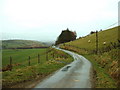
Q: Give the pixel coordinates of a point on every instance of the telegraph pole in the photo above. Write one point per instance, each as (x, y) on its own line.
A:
(96, 42)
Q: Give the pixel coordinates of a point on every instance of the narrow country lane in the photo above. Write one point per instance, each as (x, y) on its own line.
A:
(74, 75)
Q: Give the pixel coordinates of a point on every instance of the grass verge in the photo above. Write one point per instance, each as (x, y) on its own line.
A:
(105, 67)
(103, 79)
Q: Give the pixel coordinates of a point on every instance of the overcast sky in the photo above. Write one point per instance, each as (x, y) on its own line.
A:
(44, 20)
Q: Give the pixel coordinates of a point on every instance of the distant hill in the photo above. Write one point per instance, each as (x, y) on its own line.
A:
(48, 43)
(21, 44)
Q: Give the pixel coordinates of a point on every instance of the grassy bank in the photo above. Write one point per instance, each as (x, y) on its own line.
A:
(104, 78)
(105, 67)
(44, 68)
(109, 36)
(106, 62)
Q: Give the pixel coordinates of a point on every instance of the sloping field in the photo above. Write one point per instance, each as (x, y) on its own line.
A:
(108, 36)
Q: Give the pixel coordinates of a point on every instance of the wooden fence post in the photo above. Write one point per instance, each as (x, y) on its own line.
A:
(38, 58)
(10, 63)
(29, 60)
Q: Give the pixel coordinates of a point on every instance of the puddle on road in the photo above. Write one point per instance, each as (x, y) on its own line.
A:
(66, 68)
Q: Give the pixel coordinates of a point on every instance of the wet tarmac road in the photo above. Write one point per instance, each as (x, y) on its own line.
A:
(73, 75)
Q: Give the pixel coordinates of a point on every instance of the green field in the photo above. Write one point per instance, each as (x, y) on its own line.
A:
(23, 73)
(20, 56)
(105, 63)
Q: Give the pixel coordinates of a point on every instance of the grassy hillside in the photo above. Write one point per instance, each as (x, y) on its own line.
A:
(20, 43)
(108, 36)
(105, 64)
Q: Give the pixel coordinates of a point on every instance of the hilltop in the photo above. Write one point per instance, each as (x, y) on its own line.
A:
(21, 44)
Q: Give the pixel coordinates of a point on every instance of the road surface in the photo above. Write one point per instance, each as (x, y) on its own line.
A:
(74, 75)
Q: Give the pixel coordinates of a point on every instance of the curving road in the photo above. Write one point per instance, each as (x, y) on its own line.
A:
(74, 75)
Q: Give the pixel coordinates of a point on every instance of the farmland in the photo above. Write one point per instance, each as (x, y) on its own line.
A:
(22, 72)
(20, 56)
(105, 63)
(108, 36)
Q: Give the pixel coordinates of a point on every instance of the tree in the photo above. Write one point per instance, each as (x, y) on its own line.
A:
(66, 36)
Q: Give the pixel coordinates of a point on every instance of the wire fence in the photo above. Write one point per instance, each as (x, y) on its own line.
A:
(27, 62)
(105, 48)
(49, 54)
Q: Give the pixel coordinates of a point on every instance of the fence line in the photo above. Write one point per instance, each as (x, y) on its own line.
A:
(11, 64)
(113, 45)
